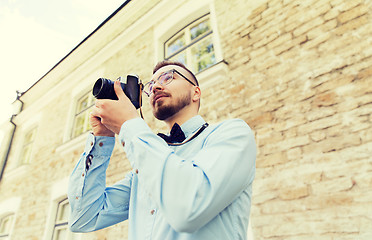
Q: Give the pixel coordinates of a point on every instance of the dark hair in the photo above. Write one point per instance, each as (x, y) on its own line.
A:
(169, 62)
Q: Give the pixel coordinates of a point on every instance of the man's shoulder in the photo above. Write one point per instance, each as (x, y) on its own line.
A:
(233, 126)
(234, 122)
(231, 130)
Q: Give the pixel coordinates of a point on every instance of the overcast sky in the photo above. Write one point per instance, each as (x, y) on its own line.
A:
(37, 34)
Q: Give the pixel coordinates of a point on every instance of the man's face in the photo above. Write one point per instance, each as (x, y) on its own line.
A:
(173, 97)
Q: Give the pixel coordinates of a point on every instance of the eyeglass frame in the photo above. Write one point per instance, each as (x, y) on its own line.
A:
(157, 80)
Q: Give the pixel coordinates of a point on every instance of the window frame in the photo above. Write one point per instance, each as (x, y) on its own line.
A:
(10, 217)
(58, 194)
(175, 16)
(84, 111)
(28, 145)
(62, 224)
(189, 43)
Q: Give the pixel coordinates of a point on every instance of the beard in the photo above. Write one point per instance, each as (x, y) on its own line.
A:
(164, 111)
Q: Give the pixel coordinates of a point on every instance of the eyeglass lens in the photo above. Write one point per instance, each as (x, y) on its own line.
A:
(163, 79)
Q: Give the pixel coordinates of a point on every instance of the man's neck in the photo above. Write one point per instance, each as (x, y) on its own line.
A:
(179, 118)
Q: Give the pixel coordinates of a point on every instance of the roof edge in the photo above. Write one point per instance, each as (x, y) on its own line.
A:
(85, 39)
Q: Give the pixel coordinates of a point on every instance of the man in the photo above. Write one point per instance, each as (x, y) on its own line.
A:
(199, 188)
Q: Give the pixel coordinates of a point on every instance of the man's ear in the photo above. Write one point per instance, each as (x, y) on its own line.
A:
(197, 94)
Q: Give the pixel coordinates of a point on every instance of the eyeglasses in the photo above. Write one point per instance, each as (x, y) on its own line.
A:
(164, 79)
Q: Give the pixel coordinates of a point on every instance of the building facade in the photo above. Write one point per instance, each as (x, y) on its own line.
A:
(297, 71)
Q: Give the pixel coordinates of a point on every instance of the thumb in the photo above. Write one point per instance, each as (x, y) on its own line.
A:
(118, 90)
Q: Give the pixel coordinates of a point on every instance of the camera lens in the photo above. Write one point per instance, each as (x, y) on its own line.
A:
(97, 88)
(104, 89)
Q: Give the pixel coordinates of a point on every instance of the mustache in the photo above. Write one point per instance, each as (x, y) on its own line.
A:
(158, 95)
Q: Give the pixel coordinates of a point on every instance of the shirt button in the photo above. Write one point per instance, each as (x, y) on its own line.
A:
(91, 143)
(77, 197)
(123, 143)
(83, 175)
(137, 171)
(152, 211)
(101, 144)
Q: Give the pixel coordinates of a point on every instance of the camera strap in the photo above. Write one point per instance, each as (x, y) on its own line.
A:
(140, 100)
(201, 129)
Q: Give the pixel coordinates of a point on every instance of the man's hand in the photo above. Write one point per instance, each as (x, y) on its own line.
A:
(113, 113)
(98, 128)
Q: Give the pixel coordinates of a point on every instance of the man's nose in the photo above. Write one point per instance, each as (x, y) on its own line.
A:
(156, 87)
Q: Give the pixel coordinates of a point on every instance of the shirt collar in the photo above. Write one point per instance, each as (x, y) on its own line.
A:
(192, 125)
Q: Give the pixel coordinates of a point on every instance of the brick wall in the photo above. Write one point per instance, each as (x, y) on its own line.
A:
(299, 73)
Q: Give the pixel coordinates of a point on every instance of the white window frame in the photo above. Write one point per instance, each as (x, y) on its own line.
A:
(58, 225)
(70, 143)
(9, 207)
(3, 219)
(190, 43)
(249, 231)
(30, 145)
(58, 195)
(176, 17)
(24, 129)
(14, 165)
(84, 111)
(78, 91)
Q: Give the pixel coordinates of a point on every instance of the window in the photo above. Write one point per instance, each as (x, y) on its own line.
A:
(81, 121)
(5, 225)
(27, 146)
(193, 45)
(56, 224)
(61, 231)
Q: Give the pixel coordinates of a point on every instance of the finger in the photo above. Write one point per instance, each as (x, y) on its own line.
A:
(94, 120)
(100, 103)
(95, 112)
(118, 90)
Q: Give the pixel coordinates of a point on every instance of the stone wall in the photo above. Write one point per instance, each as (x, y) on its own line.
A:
(300, 75)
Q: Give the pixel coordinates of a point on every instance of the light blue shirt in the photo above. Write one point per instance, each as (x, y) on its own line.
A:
(199, 190)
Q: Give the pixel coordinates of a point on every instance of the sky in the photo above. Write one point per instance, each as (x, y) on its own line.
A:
(36, 34)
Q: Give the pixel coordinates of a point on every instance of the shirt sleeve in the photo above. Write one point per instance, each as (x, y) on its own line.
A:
(191, 192)
(93, 205)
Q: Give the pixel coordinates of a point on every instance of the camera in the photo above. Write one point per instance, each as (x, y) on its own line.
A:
(104, 89)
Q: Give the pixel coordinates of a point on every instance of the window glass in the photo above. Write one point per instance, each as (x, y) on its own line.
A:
(176, 44)
(181, 57)
(193, 45)
(83, 108)
(61, 231)
(83, 103)
(203, 54)
(27, 146)
(200, 29)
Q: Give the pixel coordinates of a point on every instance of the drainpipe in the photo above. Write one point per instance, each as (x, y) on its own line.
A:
(19, 94)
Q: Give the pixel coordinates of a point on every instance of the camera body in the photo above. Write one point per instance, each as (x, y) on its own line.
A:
(104, 89)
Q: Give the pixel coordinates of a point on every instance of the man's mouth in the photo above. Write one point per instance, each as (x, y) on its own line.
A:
(158, 97)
